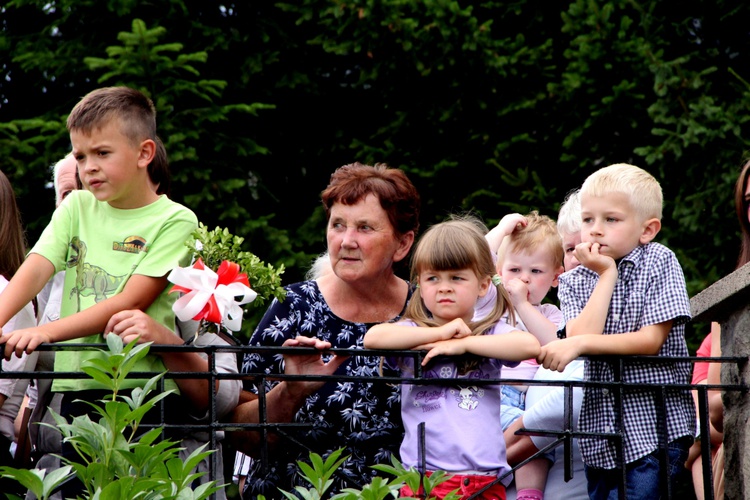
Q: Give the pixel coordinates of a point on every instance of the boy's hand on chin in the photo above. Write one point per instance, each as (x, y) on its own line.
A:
(588, 255)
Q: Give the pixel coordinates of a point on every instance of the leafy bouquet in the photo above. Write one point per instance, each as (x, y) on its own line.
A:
(218, 284)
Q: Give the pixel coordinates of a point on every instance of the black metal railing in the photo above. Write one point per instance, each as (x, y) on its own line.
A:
(213, 425)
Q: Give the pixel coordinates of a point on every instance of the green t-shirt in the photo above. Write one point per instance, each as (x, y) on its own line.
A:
(100, 247)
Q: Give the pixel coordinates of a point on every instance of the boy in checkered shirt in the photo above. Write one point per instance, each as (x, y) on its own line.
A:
(628, 297)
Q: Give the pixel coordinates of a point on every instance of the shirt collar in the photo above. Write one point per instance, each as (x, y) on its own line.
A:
(631, 261)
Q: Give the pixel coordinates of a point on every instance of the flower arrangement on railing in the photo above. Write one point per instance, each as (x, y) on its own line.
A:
(218, 284)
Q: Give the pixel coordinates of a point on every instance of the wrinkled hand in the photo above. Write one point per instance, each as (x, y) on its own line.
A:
(557, 354)
(588, 255)
(309, 364)
(23, 341)
(518, 291)
(136, 324)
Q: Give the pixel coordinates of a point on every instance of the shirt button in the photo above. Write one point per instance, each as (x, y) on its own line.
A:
(605, 392)
(606, 428)
(466, 481)
(615, 317)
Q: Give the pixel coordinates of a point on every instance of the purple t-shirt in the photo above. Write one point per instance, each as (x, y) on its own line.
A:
(462, 420)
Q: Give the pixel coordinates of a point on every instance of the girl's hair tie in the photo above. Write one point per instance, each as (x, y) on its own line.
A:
(497, 280)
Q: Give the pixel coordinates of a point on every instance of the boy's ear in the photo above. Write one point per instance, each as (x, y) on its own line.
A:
(146, 153)
(651, 228)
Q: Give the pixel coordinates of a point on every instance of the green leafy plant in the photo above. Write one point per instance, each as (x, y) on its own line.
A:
(318, 473)
(115, 460)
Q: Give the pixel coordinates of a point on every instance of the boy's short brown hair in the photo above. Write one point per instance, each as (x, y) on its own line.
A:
(137, 116)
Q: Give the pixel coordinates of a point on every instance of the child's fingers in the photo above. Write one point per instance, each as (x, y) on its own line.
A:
(428, 357)
(33, 343)
(457, 329)
(20, 346)
(461, 333)
(119, 322)
(540, 358)
(9, 349)
(110, 327)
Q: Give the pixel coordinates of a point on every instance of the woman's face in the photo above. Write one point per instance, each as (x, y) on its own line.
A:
(362, 242)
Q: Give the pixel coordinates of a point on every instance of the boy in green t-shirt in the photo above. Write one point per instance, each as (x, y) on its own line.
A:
(117, 239)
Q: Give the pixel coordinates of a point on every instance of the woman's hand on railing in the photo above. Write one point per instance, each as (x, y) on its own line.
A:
(308, 364)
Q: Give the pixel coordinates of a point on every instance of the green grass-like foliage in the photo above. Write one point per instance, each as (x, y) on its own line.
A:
(114, 461)
(219, 245)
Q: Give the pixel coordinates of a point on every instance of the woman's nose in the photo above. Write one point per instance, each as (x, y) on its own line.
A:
(349, 239)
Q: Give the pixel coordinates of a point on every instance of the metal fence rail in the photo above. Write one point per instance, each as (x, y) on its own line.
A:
(213, 425)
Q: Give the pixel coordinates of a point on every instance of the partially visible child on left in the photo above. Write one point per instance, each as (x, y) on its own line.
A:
(13, 244)
(453, 267)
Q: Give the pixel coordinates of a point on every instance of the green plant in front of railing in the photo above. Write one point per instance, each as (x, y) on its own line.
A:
(318, 475)
(319, 472)
(115, 461)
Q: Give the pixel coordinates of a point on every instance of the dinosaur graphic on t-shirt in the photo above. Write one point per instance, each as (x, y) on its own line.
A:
(90, 279)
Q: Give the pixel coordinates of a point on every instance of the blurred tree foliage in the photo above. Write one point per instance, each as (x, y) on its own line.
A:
(489, 106)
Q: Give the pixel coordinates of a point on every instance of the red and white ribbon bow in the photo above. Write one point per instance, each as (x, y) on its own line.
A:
(209, 295)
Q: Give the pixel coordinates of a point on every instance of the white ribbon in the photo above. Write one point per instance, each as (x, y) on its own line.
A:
(202, 284)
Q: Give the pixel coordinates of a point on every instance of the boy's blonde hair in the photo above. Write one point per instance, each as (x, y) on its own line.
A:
(643, 190)
(539, 232)
(569, 218)
(457, 243)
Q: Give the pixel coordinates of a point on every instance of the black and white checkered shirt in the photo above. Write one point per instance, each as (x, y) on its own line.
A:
(650, 289)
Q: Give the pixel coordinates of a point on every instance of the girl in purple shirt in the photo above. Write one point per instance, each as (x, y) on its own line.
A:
(453, 267)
